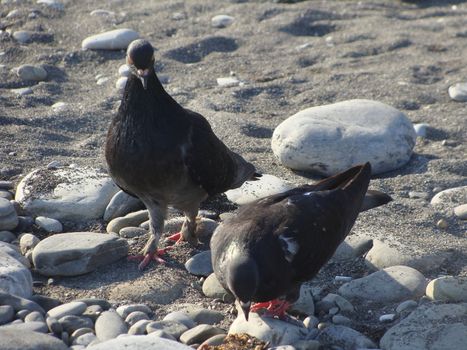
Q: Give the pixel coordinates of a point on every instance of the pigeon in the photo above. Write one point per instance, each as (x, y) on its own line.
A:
(271, 246)
(165, 154)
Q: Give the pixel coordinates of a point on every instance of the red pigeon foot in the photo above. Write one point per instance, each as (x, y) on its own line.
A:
(146, 259)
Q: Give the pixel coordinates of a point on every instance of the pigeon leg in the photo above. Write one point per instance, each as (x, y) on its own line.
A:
(150, 252)
(187, 232)
(276, 307)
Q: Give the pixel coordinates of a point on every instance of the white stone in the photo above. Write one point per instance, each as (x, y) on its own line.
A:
(250, 191)
(102, 81)
(268, 329)
(448, 288)
(458, 92)
(387, 318)
(121, 83)
(15, 278)
(228, 81)
(420, 129)
(451, 196)
(429, 327)
(139, 342)
(392, 284)
(14, 14)
(29, 72)
(221, 21)
(60, 107)
(332, 138)
(22, 91)
(22, 36)
(117, 39)
(124, 70)
(461, 211)
(56, 5)
(27, 242)
(49, 224)
(70, 194)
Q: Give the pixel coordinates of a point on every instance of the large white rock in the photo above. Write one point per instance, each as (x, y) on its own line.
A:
(250, 191)
(331, 138)
(15, 278)
(117, 39)
(429, 327)
(73, 194)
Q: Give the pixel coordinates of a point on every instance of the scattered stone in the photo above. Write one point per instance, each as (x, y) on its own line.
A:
(352, 248)
(29, 72)
(387, 318)
(102, 13)
(117, 39)
(173, 328)
(341, 320)
(221, 21)
(71, 308)
(120, 205)
(71, 323)
(59, 107)
(34, 316)
(461, 211)
(132, 232)
(429, 327)
(136, 316)
(200, 264)
(136, 342)
(342, 278)
(307, 345)
(180, 317)
(458, 92)
(418, 195)
(203, 316)
(49, 224)
(7, 314)
(85, 339)
(451, 196)
(109, 325)
(213, 289)
(304, 304)
(271, 330)
(7, 236)
(8, 216)
(22, 91)
(54, 4)
(30, 340)
(250, 191)
(15, 278)
(392, 284)
(442, 224)
(22, 36)
(319, 138)
(69, 194)
(125, 310)
(129, 220)
(228, 81)
(93, 312)
(311, 322)
(19, 303)
(344, 337)
(448, 288)
(204, 227)
(139, 327)
(406, 306)
(76, 253)
(199, 334)
(420, 129)
(27, 242)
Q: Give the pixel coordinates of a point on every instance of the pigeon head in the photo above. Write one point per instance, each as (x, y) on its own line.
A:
(140, 57)
(242, 280)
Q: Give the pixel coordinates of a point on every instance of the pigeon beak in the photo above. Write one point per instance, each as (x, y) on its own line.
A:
(143, 76)
(246, 308)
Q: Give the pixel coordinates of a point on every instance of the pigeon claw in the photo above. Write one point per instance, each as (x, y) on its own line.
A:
(146, 259)
(274, 308)
(176, 237)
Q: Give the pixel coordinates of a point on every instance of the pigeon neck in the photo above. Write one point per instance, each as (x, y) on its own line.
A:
(243, 277)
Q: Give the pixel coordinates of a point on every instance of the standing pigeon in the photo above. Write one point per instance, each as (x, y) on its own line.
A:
(275, 244)
(165, 154)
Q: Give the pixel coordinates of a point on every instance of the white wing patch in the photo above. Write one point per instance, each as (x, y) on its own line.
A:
(289, 246)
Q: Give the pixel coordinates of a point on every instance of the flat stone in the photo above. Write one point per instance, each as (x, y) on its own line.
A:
(250, 191)
(214, 340)
(268, 329)
(66, 194)
(344, 337)
(352, 247)
(116, 39)
(71, 308)
(319, 139)
(132, 232)
(461, 211)
(136, 316)
(228, 81)
(200, 264)
(201, 315)
(199, 334)
(102, 13)
(448, 288)
(24, 327)
(304, 304)
(181, 317)
(34, 316)
(429, 327)
(125, 310)
(109, 325)
(173, 328)
(85, 339)
(22, 91)
(15, 278)
(406, 306)
(30, 340)
(19, 303)
(221, 21)
(76, 253)
(138, 342)
(49, 224)
(59, 107)
(139, 327)
(129, 220)
(458, 92)
(392, 284)
(213, 289)
(29, 72)
(122, 204)
(7, 314)
(22, 36)
(452, 196)
(71, 323)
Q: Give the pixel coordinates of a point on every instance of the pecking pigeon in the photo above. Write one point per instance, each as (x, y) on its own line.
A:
(165, 154)
(274, 244)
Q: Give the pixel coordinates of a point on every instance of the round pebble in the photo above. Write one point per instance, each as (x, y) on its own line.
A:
(448, 288)
(125, 310)
(461, 211)
(60, 107)
(6, 208)
(136, 316)
(420, 129)
(49, 224)
(442, 224)
(132, 232)
(458, 92)
(221, 21)
(22, 36)
(387, 318)
(27, 242)
(116, 39)
(31, 73)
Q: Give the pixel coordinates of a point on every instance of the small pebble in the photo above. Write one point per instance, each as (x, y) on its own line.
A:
(29, 72)
(49, 224)
(407, 305)
(124, 70)
(131, 232)
(442, 224)
(60, 106)
(420, 129)
(322, 325)
(342, 278)
(102, 80)
(228, 81)
(458, 92)
(461, 211)
(387, 318)
(102, 13)
(54, 4)
(418, 195)
(22, 91)
(27, 242)
(221, 21)
(22, 36)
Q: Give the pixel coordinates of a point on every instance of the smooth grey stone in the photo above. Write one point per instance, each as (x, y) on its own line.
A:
(23, 91)
(76, 253)
(213, 289)
(461, 211)
(27, 242)
(93, 312)
(71, 308)
(345, 337)
(65, 337)
(125, 310)
(71, 323)
(6, 185)
(121, 204)
(132, 232)
(199, 334)
(9, 222)
(331, 300)
(21, 314)
(129, 220)
(450, 197)
(84, 339)
(136, 316)
(13, 251)
(406, 306)
(6, 208)
(7, 313)
(15, 278)
(7, 236)
(49, 224)
(311, 322)
(34, 316)
(45, 302)
(139, 327)
(161, 334)
(429, 327)
(392, 284)
(215, 340)
(174, 328)
(341, 320)
(6, 195)
(458, 92)
(79, 332)
(109, 325)
(308, 345)
(305, 304)
(200, 264)
(203, 316)
(31, 72)
(352, 248)
(116, 39)
(104, 304)
(29, 340)
(181, 317)
(53, 325)
(138, 342)
(40, 327)
(420, 129)
(54, 4)
(448, 288)
(19, 303)
(221, 21)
